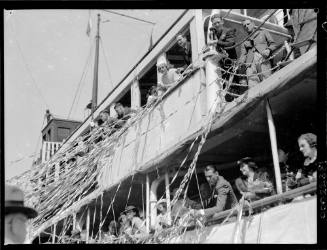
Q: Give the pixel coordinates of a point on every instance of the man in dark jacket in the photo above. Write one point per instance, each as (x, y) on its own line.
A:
(222, 36)
(222, 196)
(254, 53)
(185, 50)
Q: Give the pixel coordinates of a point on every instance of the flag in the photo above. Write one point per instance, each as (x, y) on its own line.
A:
(89, 26)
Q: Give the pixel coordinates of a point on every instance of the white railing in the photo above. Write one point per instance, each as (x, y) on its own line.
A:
(48, 150)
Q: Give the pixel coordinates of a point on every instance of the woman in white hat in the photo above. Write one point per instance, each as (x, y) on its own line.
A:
(166, 75)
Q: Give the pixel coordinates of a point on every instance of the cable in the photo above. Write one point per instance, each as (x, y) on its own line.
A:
(106, 61)
(248, 36)
(120, 14)
(80, 81)
(27, 67)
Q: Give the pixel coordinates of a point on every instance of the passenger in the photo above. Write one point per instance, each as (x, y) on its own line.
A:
(222, 195)
(16, 215)
(205, 194)
(162, 220)
(308, 147)
(124, 225)
(151, 95)
(254, 184)
(254, 52)
(138, 226)
(222, 36)
(105, 119)
(168, 75)
(123, 114)
(113, 228)
(186, 51)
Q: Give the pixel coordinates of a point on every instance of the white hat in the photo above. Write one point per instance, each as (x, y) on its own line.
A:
(162, 59)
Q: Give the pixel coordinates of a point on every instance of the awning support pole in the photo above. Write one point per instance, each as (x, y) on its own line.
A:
(273, 142)
(54, 233)
(147, 210)
(213, 84)
(87, 225)
(74, 221)
(167, 195)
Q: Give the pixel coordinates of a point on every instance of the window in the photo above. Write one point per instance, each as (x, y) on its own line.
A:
(63, 133)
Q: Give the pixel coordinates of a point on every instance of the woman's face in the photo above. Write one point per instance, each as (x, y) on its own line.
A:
(130, 215)
(245, 170)
(162, 68)
(161, 208)
(305, 148)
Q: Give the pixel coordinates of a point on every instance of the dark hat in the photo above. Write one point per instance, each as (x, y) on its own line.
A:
(247, 160)
(130, 208)
(14, 202)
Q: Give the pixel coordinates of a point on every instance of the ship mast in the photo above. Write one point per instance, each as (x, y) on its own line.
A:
(95, 75)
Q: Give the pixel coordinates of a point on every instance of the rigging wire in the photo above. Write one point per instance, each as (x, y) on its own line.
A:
(106, 61)
(124, 15)
(27, 66)
(81, 80)
(255, 30)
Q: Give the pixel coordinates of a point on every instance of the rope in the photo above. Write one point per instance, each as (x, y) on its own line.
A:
(27, 66)
(80, 81)
(106, 61)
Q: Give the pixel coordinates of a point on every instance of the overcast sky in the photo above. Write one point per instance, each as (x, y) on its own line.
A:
(47, 54)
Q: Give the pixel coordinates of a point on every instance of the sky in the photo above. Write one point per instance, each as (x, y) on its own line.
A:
(49, 60)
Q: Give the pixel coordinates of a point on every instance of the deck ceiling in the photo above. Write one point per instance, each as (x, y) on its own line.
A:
(294, 112)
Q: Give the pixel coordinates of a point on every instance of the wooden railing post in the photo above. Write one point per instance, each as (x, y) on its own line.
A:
(168, 195)
(147, 209)
(274, 148)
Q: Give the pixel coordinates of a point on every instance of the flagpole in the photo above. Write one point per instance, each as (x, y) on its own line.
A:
(95, 76)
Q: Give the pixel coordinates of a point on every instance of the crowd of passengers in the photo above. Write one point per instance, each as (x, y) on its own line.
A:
(253, 62)
(252, 66)
(217, 193)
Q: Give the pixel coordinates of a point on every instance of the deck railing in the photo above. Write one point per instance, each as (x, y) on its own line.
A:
(48, 150)
(271, 200)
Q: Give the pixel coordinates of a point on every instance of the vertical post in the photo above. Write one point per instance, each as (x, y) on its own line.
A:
(147, 209)
(213, 84)
(87, 225)
(168, 195)
(135, 94)
(197, 34)
(74, 221)
(43, 152)
(153, 201)
(54, 233)
(273, 142)
(48, 148)
(96, 63)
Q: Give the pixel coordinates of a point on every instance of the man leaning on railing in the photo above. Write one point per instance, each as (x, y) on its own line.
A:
(254, 53)
(222, 196)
